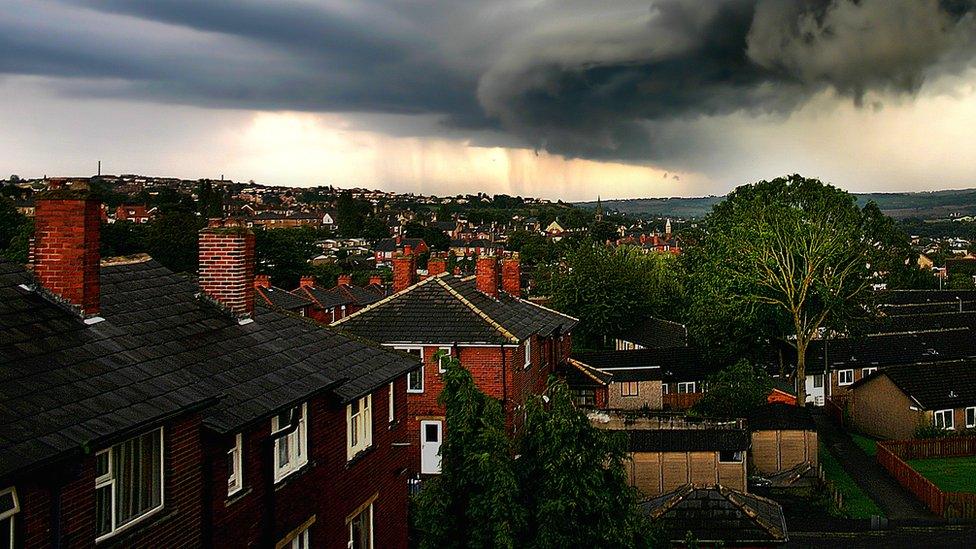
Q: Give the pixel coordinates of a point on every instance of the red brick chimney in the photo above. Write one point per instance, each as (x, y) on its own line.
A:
(376, 280)
(307, 281)
(436, 266)
(486, 275)
(227, 265)
(66, 239)
(404, 272)
(345, 280)
(512, 276)
(262, 281)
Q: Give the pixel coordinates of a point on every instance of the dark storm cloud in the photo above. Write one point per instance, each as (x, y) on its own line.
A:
(589, 79)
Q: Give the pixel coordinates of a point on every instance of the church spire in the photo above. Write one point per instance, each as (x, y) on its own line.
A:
(598, 214)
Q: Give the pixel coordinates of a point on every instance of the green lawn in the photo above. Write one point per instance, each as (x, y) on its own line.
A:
(869, 445)
(856, 503)
(950, 474)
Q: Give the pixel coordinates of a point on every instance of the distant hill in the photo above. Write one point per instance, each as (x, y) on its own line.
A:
(924, 205)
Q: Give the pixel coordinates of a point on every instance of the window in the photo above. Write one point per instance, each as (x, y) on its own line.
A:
(628, 388)
(443, 359)
(664, 388)
(390, 395)
(970, 418)
(818, 381)
(361, 529)
(943, 420)
(584, 397)
(298, 539)
(730, 456)
(528, 351)
(686, 387)
(291, 450)
(845, 377)
(235, 466)
(9, 506)
(415, 378)
(865, 372)
(359, 425)
(128, 483)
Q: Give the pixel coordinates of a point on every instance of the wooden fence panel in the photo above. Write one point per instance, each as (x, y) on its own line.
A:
(933, 448)
(923, 489)
(681, 401)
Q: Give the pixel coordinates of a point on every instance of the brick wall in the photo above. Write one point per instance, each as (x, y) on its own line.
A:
(66, 246)
(328, 488)
(648, 393)
(227, 265)
(878, 408)
(177, 525)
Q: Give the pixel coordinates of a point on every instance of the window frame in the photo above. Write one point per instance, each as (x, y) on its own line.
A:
(687, 384)
(297, 453)
(973, 410)
(865, 372)
(412, 349)
(364, 437)
(738, 456)
(818, 381)
(949, 412)
(235, 469)
(369, 508)
(440, 360)
(109, 480)
(629, 385)
(391, 402)
(528, 352)
(841, 375)
(9, 515)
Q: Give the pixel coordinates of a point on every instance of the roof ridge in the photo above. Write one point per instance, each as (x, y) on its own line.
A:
(585, 368)
(544, 308)
(390, 297)
(260, 292)
(125, 260)
(457, 295)
(737, 499)
(308, 295)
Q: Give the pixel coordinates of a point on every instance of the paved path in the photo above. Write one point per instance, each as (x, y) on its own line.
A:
(895, 501)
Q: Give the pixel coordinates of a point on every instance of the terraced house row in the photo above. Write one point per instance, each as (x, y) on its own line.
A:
(144, 408)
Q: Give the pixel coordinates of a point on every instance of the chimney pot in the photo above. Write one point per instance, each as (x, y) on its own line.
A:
(512, 276)
(345, 280)
(376, 280)
(436, 265)
(307, 281)
(262, 281)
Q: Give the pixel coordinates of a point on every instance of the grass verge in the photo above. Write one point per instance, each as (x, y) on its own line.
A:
(857, 504)
(869, 445)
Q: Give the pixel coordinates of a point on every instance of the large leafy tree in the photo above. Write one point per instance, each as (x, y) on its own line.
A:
(172, 239)
(573, 479)
(735, 391)
(610, 288)
(786, 259)
(474, 502)
(285, 253)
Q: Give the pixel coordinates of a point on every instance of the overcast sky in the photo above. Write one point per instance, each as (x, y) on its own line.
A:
(555, 98)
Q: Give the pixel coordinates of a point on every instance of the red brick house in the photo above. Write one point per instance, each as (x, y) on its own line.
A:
(385, 249)
(510, 345)
(136, 213)
(343, 299)
(139, 408)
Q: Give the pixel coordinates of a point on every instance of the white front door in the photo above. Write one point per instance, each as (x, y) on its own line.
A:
(430, 445)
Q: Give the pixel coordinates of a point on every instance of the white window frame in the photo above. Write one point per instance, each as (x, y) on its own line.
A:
(359, 426)
(440, 361)
(865, 372)
(235, 466)
(297, 444)
(946, 426)
(371, 525)
(9, 515)
(686, 385)
(841, 374)
(528, 352)
(411, 349)
(971, 424)
(625, 387)
(391, 402)
(818, 378)
(664, 388)
(108, 480)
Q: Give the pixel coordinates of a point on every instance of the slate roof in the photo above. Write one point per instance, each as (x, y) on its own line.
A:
(578, 374)
(668, 365)
(283, 299)
(899, 323)
(447, 309)
(688, 440)
(718, 514)
(891, 349)
(656, 333)
(780, 417)
(342, 295)
(390, 244)
(160, 350)
(935, 386)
